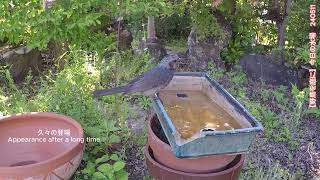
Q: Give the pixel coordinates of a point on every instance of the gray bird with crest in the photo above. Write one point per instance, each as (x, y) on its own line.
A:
(149, 82)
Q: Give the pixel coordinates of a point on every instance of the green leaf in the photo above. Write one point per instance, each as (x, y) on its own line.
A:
(118, 165)
(114, 157)
(314, 111)
(89, 169)
(114, 139)
(98, 176)
(104, 158)
(93, 132)
(111, 176)
(122, 175)
(106, 169)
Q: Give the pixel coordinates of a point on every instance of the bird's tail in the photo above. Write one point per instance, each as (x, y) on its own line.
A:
(104, 92)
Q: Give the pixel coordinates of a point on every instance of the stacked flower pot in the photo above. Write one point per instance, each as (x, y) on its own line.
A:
(214, 155)
(163, 164)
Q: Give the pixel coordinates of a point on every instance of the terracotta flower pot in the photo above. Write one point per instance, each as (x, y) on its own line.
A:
(35, 146)
(160, 172)
(163, 154)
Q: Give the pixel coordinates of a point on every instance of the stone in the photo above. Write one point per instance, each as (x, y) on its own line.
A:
(21, 60)
(271, 71)
(155, 48)
(125, 35)
(201, 51)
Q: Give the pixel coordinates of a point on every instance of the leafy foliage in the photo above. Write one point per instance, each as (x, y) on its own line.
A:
(70, 93)
(104, 168)
(244, 27)
(299, 23)
(26, 22)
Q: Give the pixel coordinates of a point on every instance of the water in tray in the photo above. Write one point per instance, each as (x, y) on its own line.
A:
(192, 111)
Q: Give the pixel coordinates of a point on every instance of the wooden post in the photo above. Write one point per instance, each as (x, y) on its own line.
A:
(151, 28)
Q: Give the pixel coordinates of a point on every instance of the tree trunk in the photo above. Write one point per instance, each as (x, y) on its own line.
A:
(151, 28)
(281, 25)
(281, 34)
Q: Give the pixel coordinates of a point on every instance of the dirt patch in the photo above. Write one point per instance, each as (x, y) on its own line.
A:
(303, 159)
(137, 123)
(135, 164)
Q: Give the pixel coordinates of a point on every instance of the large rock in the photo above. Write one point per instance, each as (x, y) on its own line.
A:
(272, 71)
(123, 34)
(203, 50)
(21, 60)
(155, 48)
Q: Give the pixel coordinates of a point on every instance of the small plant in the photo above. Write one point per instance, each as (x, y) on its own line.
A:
(265, 94)
(279, 94)
(270, 121)
(105, 168)
(303, 55)
(298, 110)
(314, 111)
(284, 135)
(215, 72)
(238, 77)
(177, 45)
(144, 102)
(274, 172)
(121, 68)
(12, 100)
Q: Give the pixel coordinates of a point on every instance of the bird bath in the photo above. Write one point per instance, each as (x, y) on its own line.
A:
(200, 118)
(39, 146)
(163, 154)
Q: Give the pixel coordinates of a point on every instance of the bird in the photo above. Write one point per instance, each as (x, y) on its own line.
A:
(148, 83)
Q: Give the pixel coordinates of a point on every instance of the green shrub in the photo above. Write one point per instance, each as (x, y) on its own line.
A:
(175, 26)
(121, 68)
(70, 93)
(244, 28)
(104, 168)
(26, 22)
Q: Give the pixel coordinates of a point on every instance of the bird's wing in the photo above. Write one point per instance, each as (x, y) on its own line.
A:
(155, 77)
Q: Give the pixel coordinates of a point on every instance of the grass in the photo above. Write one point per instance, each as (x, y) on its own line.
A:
(280, 115)
(177, 45)
(271, 172)
(69, 92)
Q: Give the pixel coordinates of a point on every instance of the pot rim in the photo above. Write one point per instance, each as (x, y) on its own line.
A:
(154, 162)
(51, 163)
(150, 131)
(162, 143)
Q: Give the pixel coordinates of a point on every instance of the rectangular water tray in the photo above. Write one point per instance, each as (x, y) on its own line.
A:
(199, 117)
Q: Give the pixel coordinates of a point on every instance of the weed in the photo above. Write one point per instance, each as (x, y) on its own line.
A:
(314, 111)
(215, 72)
(269, 120)
(104, 168)
(279, 95)
(144, 102)
(274, 172)
(237, 76)
(298, 109)
(177, 45)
